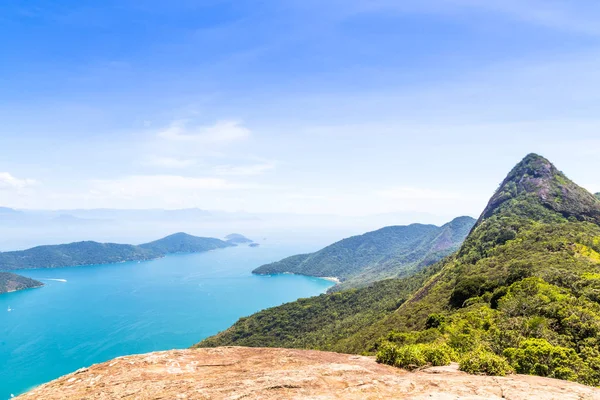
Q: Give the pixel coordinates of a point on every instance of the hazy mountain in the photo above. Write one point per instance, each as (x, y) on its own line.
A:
(236, 238)
(388, 252)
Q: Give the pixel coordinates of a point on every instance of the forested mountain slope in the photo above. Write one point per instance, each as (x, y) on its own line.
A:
(522, 293)
(389, 252)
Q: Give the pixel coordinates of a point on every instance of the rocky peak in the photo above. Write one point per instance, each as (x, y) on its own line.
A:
(536, 181)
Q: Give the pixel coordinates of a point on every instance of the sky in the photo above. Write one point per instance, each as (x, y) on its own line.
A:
(345, 107)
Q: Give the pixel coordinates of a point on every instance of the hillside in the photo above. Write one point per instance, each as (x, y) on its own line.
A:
(277, 374)
(236, 238)
(389, 252)
(184, 243)
(597, 196)
(522, 293)
(91, 253)
(12, 282)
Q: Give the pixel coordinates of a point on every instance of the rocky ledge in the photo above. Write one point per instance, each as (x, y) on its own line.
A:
(252, 373)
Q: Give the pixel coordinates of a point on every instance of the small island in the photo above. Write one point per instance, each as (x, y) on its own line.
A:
(10, 282)
(236, 238)
(253, 245)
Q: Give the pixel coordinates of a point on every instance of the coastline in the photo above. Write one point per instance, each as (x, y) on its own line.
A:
(18, 290)
(333, 279)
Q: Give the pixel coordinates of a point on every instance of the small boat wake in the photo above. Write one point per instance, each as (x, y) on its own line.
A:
(54, 279)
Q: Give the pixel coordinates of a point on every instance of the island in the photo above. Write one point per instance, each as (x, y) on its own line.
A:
(10, 282)
(92, 253)
(236, 238)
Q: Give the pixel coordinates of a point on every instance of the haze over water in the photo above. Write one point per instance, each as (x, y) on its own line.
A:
(106, 311)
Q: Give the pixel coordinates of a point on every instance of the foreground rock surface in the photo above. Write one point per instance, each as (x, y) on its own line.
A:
(250, 373)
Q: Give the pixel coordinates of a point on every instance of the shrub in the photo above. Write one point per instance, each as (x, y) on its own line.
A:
(439, 354)
(467, 288)
(539, 357)
(414, 356)
(434, 321)
(483, 362)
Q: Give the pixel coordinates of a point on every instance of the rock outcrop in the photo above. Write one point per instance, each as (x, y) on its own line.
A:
(276, 374)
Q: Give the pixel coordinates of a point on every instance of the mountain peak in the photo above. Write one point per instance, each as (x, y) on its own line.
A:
(536, 181)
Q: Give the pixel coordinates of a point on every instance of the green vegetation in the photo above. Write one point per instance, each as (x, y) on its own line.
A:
(522, 293)
(391, 252)
(413, 356)
(184, 243)
(321, 322)
(91, 253)
(597, 195)
(484, 362)
(12, 282)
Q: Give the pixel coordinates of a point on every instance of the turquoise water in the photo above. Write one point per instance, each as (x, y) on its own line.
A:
(105, 311)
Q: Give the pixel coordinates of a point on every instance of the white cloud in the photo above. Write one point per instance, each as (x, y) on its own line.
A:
(171, 162)
(222, 132)
(244, 170)
(8, 182)
(159, 185)
(413, 193)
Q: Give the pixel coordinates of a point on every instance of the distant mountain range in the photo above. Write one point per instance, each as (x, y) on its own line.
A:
(12, 282)
(390, 252)
(90, 253)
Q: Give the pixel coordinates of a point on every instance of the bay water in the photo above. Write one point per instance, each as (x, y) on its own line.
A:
(91, 314)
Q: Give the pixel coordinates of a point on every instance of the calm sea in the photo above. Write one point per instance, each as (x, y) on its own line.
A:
(86, 315)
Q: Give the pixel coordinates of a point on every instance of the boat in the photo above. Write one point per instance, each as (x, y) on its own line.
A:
(9, 309)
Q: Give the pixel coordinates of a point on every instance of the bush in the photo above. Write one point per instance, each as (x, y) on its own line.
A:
(414, 356)
(434, 321)
(439, 354)
(539, 357)
(483, 362)
(466, 288)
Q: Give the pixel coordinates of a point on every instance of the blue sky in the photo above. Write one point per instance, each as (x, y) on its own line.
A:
(341, 107)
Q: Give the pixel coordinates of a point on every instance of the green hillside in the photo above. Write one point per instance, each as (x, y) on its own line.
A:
(184, 243)
(91, 253)
(522, 293)
(389, 252)
(597, 196)
(12, 282)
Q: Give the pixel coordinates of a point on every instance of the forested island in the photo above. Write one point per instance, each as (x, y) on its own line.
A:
(10, 282)
(92, 253)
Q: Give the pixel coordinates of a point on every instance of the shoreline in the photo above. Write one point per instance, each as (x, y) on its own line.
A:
(18, 290)
(333, 279)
